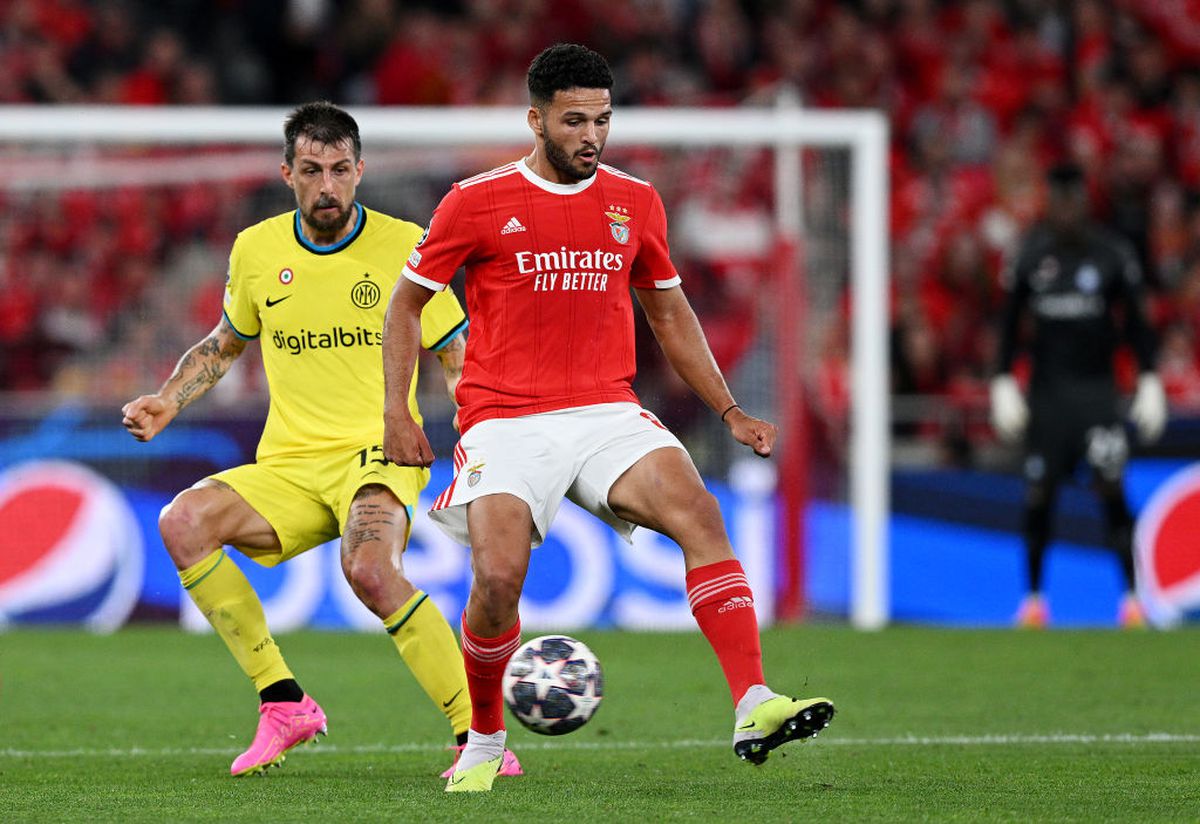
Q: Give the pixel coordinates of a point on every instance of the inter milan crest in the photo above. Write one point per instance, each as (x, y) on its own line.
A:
(365, 294)
(619, 217)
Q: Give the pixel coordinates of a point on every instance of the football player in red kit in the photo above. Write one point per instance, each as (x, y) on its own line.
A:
(552, 244)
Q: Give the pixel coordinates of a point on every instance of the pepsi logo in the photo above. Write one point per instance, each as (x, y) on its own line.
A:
(1167, 543)
(70, 547)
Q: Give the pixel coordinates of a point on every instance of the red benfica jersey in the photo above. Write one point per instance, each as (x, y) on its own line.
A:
(549, 266)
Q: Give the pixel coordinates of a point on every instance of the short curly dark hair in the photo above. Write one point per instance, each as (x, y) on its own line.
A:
(566, 66)
(322, 122)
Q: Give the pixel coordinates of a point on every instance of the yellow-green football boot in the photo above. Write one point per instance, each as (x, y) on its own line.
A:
(477, 779)
(776, 721)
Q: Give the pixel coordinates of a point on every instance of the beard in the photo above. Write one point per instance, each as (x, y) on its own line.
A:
(328, 225)
(562, 162)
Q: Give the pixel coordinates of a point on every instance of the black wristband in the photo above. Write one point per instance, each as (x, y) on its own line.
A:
(730, 409)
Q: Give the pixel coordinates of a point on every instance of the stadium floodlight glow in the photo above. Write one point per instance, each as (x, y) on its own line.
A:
(864, 134)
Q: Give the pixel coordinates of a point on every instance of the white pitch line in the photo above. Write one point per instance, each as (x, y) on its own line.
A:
(368, 749)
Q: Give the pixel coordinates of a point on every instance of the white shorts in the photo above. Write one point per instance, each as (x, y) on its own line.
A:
(578, 453)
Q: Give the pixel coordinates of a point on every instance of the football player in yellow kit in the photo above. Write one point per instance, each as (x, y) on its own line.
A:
(311, 285)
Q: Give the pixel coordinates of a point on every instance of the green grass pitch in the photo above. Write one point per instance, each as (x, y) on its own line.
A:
(932, 725)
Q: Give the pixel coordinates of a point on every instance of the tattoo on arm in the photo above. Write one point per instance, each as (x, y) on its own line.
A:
(203, 365)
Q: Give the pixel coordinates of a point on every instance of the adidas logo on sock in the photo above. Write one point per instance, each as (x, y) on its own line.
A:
(512, 226)
(736, 602)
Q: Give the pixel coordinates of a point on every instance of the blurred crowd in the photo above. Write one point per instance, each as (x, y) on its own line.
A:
(982, 95)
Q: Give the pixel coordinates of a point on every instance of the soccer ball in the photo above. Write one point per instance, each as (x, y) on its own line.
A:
(553, 684)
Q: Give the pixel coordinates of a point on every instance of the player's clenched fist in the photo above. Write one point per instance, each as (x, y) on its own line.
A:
(146, 416)
(404, 442)
(754, 432)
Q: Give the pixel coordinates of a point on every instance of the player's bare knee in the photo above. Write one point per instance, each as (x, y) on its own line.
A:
(185, 530)
(695, 516)
(370, 576)
(499, 590)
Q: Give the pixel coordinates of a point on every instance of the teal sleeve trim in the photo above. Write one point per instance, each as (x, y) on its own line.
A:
(235, 329)
(449, 336)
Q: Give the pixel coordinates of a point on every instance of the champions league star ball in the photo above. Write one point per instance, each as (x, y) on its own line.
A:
(553, 684)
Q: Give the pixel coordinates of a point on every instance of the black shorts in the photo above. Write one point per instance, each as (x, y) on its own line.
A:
(1073, 426)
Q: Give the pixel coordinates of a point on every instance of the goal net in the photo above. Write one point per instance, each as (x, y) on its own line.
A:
(117, 225)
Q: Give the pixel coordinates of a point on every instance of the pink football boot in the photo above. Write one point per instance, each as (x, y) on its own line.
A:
(509, 766)
(281, 726)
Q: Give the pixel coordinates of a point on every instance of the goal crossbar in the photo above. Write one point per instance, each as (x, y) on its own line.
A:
(422, 126)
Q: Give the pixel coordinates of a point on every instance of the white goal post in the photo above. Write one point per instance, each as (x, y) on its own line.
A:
(785, 129)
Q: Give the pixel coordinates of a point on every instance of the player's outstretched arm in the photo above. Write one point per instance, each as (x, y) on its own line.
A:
(678, 332)
(404, 441)
(197, 371)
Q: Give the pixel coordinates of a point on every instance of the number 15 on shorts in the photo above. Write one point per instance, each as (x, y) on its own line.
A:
(373, 455)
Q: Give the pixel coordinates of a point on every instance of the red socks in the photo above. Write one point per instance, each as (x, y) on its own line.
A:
(723, 605)
(721, 601)
(485, 659)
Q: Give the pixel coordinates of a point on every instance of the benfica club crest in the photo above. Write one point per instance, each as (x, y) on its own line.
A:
(619, 217)
(474, 473)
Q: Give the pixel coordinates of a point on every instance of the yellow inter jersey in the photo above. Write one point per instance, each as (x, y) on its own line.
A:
(318, 314)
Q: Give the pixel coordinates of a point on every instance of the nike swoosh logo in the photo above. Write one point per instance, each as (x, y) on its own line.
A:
(271, 303)
(749, 726)
(451, 701)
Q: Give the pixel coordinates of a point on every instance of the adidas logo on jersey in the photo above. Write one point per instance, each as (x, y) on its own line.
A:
(512, 226)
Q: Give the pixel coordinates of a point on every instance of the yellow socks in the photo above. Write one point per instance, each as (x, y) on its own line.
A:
(227, 600)
(428, 647)
(419, 630)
